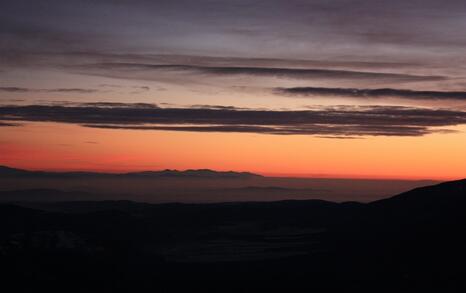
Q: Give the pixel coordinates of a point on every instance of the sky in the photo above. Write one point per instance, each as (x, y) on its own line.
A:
(308, 88)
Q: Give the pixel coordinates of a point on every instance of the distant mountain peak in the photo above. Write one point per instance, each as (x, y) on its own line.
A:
(200, 173)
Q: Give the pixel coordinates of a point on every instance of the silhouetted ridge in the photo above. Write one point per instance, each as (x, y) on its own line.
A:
(441, 203)
(4, 170)
(203, 173)
(199, 173)
(450, 192)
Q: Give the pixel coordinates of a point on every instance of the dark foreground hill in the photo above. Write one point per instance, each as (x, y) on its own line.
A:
(410, 242)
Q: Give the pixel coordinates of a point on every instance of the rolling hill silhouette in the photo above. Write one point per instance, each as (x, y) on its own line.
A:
(429, 197)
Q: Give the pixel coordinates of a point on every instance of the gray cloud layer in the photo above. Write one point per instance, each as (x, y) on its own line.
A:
(336, 121)
(374, 93)
(271, 28)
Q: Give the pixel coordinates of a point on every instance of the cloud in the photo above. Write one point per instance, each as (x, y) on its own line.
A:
(374, 93)
(320, 121)
(136, 87)
(57, 90)
(287, 130)
(281, 72)
(172, 68)
(115, 105)
(6, 124)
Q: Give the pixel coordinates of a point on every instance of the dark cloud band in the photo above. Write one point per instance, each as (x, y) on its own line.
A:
(373, 93)
(335, 121)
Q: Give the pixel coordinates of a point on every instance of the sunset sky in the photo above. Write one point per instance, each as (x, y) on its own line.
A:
(307, 88)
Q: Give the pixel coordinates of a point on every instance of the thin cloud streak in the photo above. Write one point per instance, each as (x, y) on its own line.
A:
(57, 90)
(373, 93)
(6, 124)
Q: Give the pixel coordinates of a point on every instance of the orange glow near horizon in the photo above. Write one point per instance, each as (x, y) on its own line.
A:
(60, 147)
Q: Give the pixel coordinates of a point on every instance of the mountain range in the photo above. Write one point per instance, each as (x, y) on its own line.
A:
(191, 186)
(199, 173)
